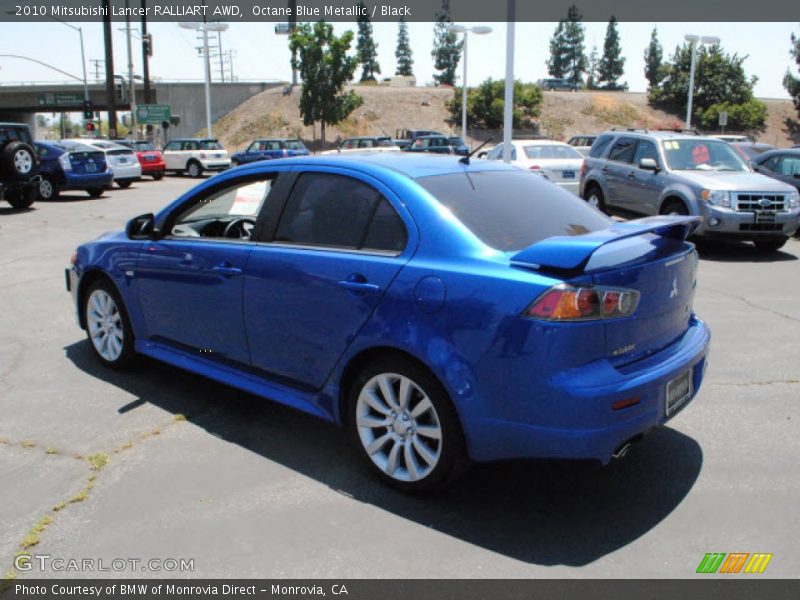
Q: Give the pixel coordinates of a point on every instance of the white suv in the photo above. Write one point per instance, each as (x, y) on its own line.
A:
(194, 156)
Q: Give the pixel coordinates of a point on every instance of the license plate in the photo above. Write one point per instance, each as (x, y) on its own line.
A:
(149, 158)
(765, 217)
(568, 174)
(91, 168)
(679, 390)
(122, 161)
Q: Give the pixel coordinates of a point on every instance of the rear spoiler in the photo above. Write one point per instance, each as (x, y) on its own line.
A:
(571, 253)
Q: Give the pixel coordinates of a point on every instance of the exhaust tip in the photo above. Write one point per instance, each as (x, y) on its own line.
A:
(621, 451)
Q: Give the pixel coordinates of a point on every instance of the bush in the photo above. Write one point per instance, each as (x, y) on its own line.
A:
(485, 104)
(748, 116)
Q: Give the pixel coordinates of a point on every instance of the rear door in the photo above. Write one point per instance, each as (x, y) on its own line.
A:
(335, 249)
(640, 188)
(616, 170)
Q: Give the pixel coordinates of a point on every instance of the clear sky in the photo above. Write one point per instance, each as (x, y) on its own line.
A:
(260, 54)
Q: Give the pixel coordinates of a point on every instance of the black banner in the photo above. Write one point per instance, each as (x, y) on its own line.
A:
(705, 587)
(283, 11)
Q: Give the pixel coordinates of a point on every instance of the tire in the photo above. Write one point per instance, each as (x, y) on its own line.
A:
(124, 184)
(594, 197)
(18, 162)
(95, 192)
(194, 169)
(769, 246)
(158, 176)
(674, 207)
(47, 189)
(108, 328)
(21, 198)
(407, 459)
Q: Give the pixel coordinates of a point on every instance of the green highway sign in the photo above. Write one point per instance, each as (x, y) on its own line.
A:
(59, 99)
(153, 114)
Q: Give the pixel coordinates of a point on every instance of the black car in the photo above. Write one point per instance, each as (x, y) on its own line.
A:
(554, 83)
(18, 165)
(439, 144)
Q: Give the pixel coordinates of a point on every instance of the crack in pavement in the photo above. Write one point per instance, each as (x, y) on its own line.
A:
(752, 304)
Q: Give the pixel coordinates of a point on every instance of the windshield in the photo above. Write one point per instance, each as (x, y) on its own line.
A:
(210, 145)
(702, 155)
(510, 210)
(552, 151)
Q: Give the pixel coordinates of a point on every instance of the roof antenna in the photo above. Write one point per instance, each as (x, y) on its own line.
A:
(465, 159)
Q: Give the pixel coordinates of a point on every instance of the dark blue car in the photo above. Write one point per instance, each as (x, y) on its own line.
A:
(268, 150)
(68, 165)
(440, 310)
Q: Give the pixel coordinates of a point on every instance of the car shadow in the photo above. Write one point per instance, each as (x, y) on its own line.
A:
(733, 251)
(72, 198)
(10, 210)
(539, 512)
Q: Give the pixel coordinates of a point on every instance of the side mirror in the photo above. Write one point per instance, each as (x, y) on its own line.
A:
(648, 164)
(141, 227)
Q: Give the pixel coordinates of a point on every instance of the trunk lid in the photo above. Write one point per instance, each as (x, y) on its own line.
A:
(86, 163)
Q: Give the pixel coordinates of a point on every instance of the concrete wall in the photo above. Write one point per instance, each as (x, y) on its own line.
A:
(188, 101)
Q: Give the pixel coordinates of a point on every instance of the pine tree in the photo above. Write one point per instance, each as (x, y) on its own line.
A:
(591, 78)
(403, 52)
(790, 82)
(556, 64)
(446, 47)
(366, 48)
(612, 65)
(653, 56)
(574, 55)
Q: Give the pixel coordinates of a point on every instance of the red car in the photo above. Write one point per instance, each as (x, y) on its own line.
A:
(149, 156)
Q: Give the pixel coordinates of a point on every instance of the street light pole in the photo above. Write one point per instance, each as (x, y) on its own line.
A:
(508, 106)
(134, 129)
(694, 40)
(208, 81)
(480, 30)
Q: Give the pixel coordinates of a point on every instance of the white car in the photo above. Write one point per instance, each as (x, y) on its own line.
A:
(558, 162)
(365, 144)
(121, 160)
(195, 156)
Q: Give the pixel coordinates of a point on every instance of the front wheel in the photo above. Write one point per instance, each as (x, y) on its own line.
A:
(47, 189)
(768, 246)
(404, 426)
(674, 208)
(107, 325)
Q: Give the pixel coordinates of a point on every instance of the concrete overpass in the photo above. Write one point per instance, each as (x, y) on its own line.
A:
(21, 103)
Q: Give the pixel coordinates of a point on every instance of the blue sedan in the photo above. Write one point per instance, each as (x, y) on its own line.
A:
(70, 165)
(269, 150)
(442, 311)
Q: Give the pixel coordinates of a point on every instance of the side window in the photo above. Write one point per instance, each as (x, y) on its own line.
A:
(42, 151)
(209, 216)
(622, 151)
(171, 146)
(335, 211)
(645, 149)
(386, 230)
(789, 165)
(771, 163)
(495, 153)
(600, 145)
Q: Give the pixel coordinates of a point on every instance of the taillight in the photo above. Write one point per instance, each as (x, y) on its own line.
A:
(568, 303)
(65, 162)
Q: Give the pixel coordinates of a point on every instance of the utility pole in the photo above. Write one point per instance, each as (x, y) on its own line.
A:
(221, 57)
(112, 112)
(97, 62)
(230, 64)
(147, 51)
(131, 81)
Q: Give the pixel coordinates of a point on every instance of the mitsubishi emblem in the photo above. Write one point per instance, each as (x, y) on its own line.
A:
(674, 292)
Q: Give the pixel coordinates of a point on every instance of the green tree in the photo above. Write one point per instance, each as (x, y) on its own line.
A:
(749, 115)
(574, 53)
(486, 102)
(403, 53)
(790, 82)
(446, 47)
(612, 64)
(591, 74)
(557, 63)
(653, 55)
(366, 48)
(719, 79)
(325, 68)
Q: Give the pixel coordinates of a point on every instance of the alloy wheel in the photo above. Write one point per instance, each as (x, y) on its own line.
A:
(398, 427)
(105, 325)
(23, 161)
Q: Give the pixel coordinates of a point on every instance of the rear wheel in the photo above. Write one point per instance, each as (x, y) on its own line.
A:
(194, 169)
(124, 184)
(767, 246)
(404, 426)
(107, 325)
(594, 198)
(95, 192)
(158, 176)
(47, 189)
(674, 208)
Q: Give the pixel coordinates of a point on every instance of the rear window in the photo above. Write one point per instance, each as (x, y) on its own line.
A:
(510, 210)
(144, 146)
(599, 146)
(210, 145)
(545, 151)
(294, 145)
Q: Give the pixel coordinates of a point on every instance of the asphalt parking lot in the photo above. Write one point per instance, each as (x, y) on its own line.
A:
(160, 464)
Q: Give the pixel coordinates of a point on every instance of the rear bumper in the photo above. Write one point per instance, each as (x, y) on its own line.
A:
(596, 386)
(153, 167)
(127, 172)
(86, 181)
(215, 165)
(723, 222)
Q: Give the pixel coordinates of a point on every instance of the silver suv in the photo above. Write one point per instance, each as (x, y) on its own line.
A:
(660, 172)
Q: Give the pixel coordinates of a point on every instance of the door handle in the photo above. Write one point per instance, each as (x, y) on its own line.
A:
(227, 269)
(605, 169)
(631, 175)
(359, 286)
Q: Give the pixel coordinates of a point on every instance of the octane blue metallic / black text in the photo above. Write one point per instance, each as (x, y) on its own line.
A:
(439, 310)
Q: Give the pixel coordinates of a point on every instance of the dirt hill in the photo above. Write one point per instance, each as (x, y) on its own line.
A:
(387, 109)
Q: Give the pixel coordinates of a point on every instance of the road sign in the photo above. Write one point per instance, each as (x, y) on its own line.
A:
(723, 118)
(59, 99)
(153, 114)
